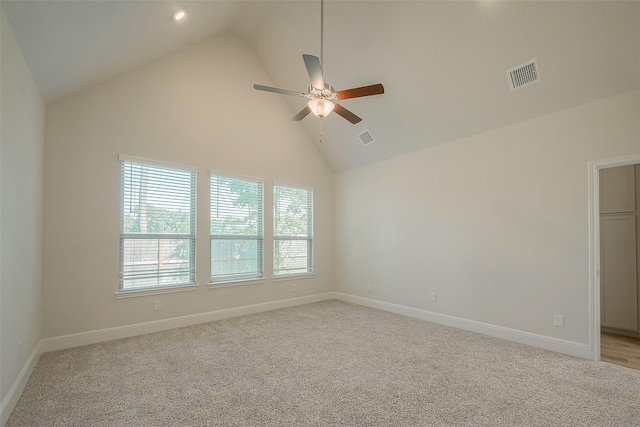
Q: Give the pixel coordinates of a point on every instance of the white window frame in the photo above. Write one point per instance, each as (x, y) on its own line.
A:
(229, 279)
(280, 274)
(190, 284)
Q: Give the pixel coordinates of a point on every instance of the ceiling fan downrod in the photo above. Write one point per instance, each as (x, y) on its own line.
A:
(322, 35)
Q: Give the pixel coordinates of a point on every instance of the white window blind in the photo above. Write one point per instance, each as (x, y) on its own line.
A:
(236, 229)
(292, 230)
(157, 226)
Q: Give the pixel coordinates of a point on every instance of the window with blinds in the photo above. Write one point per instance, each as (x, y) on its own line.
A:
(236, 229)
(292, 230)
(157, 225)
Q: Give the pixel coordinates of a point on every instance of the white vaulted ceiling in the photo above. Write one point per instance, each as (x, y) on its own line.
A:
(443, 64)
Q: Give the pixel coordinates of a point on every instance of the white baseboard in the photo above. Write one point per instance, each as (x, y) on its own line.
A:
(548, 343)
(11, 399)
(102, 335)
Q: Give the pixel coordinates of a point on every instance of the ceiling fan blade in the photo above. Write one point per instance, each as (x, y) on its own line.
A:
(277, 90)
(315, 70)
(302, 114)
(357, 92)
(339, 109)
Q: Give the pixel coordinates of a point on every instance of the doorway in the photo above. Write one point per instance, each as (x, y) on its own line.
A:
(617, 224)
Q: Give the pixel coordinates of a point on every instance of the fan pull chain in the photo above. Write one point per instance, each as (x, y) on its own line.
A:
(320, 130)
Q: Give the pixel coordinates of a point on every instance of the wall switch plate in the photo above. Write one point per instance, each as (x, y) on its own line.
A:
(294, 287)
(433, 296)
(368, 287)
(157, 305)
(558, 320)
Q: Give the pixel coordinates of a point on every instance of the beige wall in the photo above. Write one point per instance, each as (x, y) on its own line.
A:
(22, 137)
(196, 108)
(496, 224)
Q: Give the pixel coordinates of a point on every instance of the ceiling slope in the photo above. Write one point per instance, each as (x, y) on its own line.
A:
(72, 45)
(443, 64)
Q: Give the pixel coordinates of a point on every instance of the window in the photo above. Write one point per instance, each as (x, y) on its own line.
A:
(292, 230)
(236, 229)
(157, 225)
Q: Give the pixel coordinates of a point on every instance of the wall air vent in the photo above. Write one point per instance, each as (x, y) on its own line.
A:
(523, 75)
(365, 137)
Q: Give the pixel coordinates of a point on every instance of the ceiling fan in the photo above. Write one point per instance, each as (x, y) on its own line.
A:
(322, 96)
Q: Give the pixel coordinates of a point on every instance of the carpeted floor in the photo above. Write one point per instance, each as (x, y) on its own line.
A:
(323, 364)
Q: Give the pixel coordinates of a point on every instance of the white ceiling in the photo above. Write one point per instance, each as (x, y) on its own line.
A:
(443, 64)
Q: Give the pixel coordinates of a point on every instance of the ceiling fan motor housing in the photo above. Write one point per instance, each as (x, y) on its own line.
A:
(327, 93)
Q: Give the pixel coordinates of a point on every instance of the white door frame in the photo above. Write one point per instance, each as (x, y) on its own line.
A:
(594, 245)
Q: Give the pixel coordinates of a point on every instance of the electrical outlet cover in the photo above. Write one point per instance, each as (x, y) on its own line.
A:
(558, 320)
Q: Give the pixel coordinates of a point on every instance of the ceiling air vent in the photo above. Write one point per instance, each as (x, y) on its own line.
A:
(365, 137)
(523, 75)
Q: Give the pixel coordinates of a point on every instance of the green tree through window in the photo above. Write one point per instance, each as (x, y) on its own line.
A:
(157, 235)
(236, 229)
(292, 230)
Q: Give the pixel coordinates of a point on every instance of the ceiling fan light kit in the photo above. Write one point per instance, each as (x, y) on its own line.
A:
(321, 107)
(322, 97)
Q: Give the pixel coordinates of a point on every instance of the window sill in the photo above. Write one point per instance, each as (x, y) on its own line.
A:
(155, 291)
(234, 283)
(299, 276)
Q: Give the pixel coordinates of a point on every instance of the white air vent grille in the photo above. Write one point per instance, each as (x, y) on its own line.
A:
(523, 75)
(365, 137)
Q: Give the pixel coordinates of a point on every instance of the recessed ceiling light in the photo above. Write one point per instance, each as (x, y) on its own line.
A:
(179, 15)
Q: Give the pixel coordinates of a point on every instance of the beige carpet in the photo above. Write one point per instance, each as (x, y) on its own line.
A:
(324, 364)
